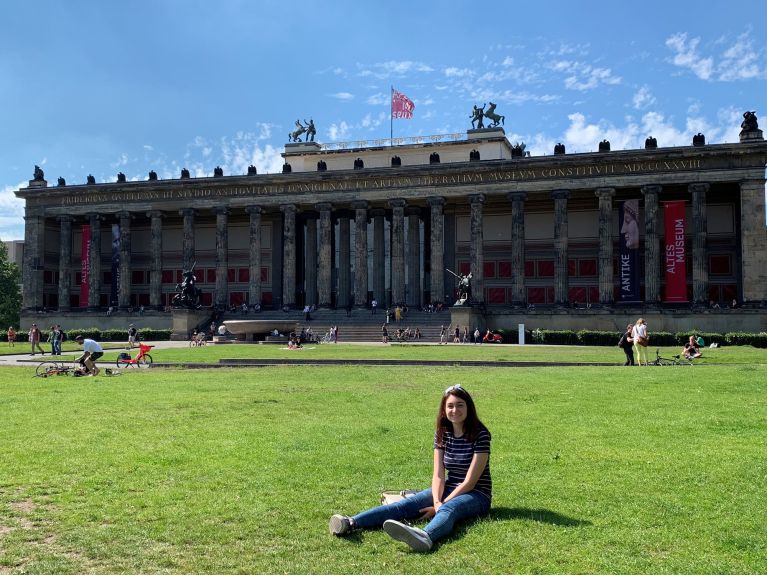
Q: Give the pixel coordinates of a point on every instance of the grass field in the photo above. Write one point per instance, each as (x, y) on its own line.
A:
(596, 469)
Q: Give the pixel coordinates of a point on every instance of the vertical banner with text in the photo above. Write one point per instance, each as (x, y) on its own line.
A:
(114, 290)
(85, 265)
(629, 251)
(675, 258)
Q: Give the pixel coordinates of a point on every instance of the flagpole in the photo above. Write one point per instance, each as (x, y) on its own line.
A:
(391, 116)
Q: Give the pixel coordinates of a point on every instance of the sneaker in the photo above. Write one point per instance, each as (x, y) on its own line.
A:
(417, 539)
(340, 525)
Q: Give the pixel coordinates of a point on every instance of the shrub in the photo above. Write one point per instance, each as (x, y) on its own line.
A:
(740, 338)
(587, 337)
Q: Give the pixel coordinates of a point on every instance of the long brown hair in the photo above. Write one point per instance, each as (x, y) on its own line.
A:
(471, 425)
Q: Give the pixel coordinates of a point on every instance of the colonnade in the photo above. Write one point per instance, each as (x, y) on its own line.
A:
(406, 272)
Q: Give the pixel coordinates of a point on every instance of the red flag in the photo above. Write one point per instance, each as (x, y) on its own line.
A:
(401, 105)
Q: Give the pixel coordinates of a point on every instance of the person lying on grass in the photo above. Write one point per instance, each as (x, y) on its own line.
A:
(462, 449)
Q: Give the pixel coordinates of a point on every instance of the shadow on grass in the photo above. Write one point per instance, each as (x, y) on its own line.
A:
(539, 515)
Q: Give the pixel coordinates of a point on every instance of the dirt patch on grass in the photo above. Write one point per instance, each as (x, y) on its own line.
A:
(27, 506)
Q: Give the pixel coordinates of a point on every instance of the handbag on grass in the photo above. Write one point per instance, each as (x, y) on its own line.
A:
(389, 497)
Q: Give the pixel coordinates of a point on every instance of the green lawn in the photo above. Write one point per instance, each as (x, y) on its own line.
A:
(613, 355)
(596, 469)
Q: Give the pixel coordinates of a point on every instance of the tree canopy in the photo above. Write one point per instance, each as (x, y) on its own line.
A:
(10, 294)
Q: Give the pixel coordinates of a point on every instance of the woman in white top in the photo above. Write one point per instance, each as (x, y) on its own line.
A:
(639, 335)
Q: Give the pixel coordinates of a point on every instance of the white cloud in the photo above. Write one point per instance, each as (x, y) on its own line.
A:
(740, 61)
(339, 131)
(148, 148)
(343, 96)
(379, 99)
(686, 55)
(11, 213)
(391, 68)
(454, 72)
(643, 98)
(588, 78)
(121, 161)
(508, 61)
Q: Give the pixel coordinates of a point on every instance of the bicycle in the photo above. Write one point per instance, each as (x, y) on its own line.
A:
(325, 338)
(142, 359)
(675, 360)
(55, 368)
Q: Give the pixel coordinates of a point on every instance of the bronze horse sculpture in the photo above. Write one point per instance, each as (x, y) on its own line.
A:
(497, 119)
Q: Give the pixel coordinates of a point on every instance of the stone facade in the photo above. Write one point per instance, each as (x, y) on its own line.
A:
(539, 232)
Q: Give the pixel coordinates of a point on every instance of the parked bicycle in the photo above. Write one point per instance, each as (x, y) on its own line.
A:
(675, 360)
(142, 359)
(325, 338)
(55, 368)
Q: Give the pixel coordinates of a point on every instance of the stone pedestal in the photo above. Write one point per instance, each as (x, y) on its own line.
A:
(485, 133)
(299, 147)
(745, 137)
(461, 315)
(184, 322)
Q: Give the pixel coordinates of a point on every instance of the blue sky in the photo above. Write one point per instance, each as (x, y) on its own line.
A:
(99, 87)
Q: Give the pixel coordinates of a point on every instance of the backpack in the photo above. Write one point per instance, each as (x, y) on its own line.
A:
(622, 340)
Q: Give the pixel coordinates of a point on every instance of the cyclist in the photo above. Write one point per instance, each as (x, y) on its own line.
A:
(91, 352)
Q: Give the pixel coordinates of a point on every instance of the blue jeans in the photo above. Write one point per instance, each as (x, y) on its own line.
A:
(464, 506)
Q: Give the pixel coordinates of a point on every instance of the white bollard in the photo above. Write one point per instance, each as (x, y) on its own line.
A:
(521, 334)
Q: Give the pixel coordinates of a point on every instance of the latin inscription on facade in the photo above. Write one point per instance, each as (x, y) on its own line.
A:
(362, 183)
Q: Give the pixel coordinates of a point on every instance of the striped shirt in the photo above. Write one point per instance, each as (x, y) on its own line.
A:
(458, 455)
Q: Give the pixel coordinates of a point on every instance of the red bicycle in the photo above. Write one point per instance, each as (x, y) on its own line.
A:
(142, 359)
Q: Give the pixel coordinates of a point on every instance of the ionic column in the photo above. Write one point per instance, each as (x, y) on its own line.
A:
(753, 272)
(222, 256)
(289, 255)
(65, 262)
(699, 240)
(437, 292)
(360, 253)
(413, 256)
(560, 245)
(94, 257)
(155, 265)
(344, 261)
(476, 248)
(606, 292)
(518, 295)
(187, 249)
(397, 251)
(126, 271)
(310, 260)
(325, 261)
(32, 270)
(652, 255)
(379, 256)
(254, 255)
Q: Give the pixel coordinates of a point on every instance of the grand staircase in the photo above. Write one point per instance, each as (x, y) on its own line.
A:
(358, 326)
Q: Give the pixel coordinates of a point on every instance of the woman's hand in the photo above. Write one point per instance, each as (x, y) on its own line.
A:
(427, 512)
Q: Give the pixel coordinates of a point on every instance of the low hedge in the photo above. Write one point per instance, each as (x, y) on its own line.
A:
(657, 338)
(97, 334)
(752, 339)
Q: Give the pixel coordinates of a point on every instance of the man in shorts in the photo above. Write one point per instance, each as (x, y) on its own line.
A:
(132, 334)
(91, 352)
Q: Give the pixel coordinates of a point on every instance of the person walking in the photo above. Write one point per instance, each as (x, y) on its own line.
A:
(626, 343)
(132, 334)
(373, 306)
(11, 337)
(461, 485)
(34, 338)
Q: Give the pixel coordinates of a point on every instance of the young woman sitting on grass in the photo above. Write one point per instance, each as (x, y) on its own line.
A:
(462, 449)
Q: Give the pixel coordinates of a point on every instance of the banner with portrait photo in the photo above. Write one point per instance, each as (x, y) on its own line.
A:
(628, 258)
(675, 260)
(85, 265)
(115, 287)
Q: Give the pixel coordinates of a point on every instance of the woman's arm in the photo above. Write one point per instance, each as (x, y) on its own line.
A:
(438, 478)
(478, 464)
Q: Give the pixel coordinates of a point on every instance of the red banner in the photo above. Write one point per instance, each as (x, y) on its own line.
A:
(401, 105)
(85, 266)
(675, 261)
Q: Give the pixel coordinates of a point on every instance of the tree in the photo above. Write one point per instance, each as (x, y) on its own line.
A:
(10, 295)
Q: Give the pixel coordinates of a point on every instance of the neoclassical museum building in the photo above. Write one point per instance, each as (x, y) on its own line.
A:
(565, 240)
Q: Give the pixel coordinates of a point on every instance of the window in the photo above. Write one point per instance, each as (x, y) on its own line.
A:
(210, 276)
(137, 277)
(464, 268)
(107, 278)
(230, 275)
(496, 295)
(488, 269)
(587, 268)
(265, 276)
(545, 268)
(572, 267)
(504, 269)
(167, 276)
(529, 269)
(243, 275)
(720, 265)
